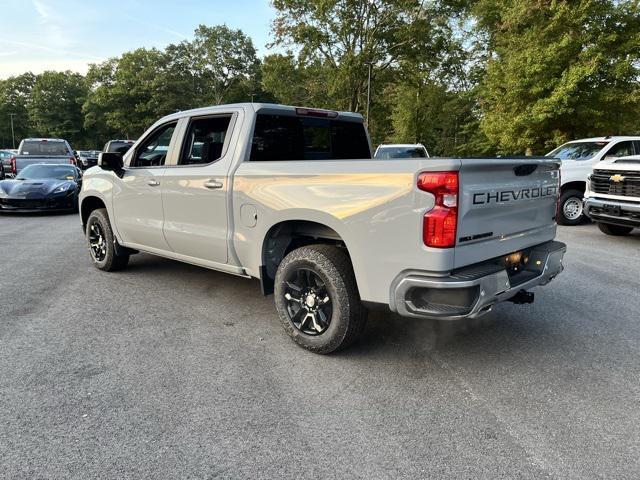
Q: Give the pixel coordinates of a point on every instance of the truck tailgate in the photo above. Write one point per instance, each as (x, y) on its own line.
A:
(505, 205)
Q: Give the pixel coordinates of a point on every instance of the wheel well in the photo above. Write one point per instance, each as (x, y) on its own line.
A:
(287, 236)
(90, 204)
(580, 186)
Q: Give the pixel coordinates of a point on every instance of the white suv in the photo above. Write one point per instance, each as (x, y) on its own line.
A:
(578, 158)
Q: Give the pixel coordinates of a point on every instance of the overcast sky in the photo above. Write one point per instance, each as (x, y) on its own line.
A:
(38, 35)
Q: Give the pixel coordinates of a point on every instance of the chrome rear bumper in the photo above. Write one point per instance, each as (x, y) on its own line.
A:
(473, 291)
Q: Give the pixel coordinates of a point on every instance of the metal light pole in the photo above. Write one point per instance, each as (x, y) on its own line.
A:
(369, 93)
(13, 135)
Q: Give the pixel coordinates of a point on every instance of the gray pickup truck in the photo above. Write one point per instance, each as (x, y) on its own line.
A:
(42, 150)
(291, 196)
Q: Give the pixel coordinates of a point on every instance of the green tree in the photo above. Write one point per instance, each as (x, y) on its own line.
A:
(14, 96)
(440, 119)
(55, 105)
(219, 65)
(558, 70)
(293, 83)
(124, 92)
(100, 78)
(346, 36)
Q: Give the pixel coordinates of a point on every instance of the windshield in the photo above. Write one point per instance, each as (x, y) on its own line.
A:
(43, 147)
(577, 150)
(119, 147)
(401, 152)
(41, 172)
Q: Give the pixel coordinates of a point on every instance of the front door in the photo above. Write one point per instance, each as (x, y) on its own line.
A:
(137, 200)
(194, 191)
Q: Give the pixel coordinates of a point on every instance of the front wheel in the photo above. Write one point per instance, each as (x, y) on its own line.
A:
(317, 298)
(102, 243)
(571, 209)
(614, 230)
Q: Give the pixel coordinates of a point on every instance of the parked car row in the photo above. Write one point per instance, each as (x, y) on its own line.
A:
(578, 159)
(53, 151)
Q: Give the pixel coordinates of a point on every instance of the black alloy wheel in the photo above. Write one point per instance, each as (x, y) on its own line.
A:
(317, 298)
(102, 243)
(308, 302)
(97, 242)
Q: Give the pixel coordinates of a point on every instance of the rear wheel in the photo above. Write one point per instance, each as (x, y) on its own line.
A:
(102, 243)
(614, 230)
(571, 209)
(317, 298)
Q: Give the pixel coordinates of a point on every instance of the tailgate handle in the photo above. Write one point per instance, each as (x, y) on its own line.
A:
(524, 170)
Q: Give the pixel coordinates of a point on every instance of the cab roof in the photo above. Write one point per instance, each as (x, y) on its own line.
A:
(605, 139)
(267, 107)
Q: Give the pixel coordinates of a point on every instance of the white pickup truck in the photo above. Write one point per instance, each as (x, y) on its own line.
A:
(291, 196)
(612, 198)
(578, 159)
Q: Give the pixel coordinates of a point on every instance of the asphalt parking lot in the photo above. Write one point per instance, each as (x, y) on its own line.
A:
(172, 371)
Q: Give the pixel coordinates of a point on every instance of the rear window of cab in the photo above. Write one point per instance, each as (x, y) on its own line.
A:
(288, 137)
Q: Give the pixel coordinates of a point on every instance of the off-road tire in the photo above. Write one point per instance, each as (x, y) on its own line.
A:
(111, 261)
(614, 230)
(349, 316)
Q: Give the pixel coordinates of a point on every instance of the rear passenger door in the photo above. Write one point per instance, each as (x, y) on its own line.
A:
(195, 189)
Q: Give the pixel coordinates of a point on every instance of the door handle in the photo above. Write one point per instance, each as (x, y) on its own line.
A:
(212, 184)
(153, 183)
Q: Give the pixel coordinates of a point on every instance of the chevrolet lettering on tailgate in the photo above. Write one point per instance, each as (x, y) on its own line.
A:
(514, 195)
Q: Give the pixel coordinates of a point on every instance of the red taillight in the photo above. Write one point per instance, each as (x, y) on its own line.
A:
(440, 224)
(14, 167)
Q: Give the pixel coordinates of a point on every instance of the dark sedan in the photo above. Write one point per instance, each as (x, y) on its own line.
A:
(42, 187)
(88, 158)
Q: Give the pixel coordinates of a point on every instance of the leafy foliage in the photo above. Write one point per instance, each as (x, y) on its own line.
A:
(462, 77)
(558, 70)
(55, 103)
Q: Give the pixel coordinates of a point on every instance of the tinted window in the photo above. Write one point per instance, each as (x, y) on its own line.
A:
(118, 147)
(205, 140)
(61, 172)
(282, 137)
(401, 152)
(578, 150)
(622, 149)
(43, 148)
(153, 151)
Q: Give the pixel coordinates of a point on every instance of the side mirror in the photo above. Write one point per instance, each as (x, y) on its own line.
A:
(111, 162)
